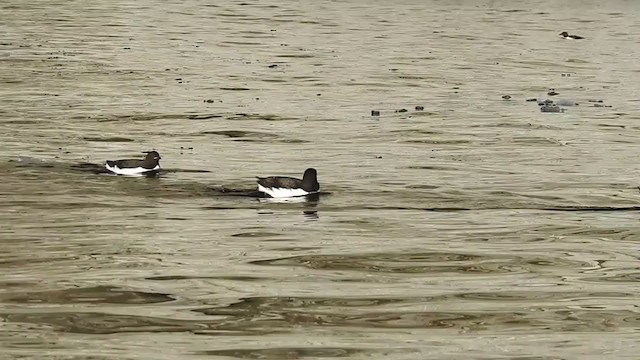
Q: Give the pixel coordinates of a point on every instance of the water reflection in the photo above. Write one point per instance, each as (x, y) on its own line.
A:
(277, 312)
(311, 214)
(253, 316)
(428, 263)
(291, 353)
(93, 295)
(310, 203)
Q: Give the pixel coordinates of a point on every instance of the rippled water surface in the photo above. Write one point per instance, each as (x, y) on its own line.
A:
(474, 228)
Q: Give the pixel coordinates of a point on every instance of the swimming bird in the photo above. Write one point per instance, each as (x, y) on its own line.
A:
(151, 162)
(283, 186)
(565, 35)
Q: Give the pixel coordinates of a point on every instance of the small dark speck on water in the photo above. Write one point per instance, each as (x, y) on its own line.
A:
(209, 101)
(401, 110)
(318, 94)
(506, 97)
(552, 92)
(419, 108)
(273, 66)
(127, 48)
(375, 113)
(532, 99)
(378, 157)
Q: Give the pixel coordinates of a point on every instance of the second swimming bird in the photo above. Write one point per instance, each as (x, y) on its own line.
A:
(151, 162)
(284, 186)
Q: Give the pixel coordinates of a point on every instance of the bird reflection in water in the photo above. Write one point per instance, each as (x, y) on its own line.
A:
(310, 203)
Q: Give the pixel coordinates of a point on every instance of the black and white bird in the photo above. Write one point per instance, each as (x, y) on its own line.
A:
(284, 186)
(151, 162)
(565, 35)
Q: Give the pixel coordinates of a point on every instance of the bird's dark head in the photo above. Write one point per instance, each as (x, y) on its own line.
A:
(310, 174)
(152, 155)
(310, 180)
(564, 34)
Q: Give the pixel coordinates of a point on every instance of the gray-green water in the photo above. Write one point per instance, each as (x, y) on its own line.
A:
(476, 228)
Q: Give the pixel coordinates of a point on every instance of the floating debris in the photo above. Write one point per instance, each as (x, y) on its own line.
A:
(545, 102)
(552, 108)
(565, 102)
